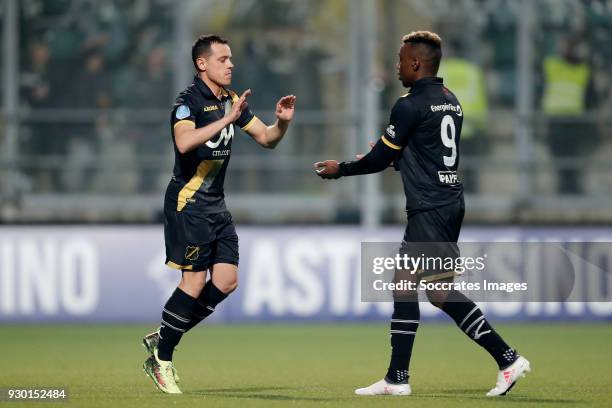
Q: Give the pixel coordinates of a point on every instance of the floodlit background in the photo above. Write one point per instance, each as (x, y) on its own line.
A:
(86, 154)
(87, 87)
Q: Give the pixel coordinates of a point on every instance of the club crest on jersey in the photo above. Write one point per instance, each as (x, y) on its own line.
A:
(391, 131)
(182, 112)
(192, 253)
(226, 135)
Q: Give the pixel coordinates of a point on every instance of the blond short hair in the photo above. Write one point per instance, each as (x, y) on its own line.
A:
(424, 37)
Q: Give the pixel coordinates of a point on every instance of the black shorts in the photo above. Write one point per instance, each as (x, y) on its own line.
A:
(434, 234)
(196, 241)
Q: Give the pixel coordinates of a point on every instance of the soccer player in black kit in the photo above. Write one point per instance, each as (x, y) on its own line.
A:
(198, 229)
(422, 141)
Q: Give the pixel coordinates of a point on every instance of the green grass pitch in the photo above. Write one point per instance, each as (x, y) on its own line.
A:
(307, 366)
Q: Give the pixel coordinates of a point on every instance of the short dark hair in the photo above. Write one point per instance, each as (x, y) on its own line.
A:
(202, 46)
(431, 44)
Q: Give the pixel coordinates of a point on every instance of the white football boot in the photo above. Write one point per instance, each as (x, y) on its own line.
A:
(384, 388)
(508, 377)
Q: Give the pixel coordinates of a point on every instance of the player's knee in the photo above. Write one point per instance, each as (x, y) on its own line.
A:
(436, 297)
(195, 280)
(228, 285)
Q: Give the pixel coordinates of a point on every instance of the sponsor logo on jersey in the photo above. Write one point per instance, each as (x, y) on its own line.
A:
(226, 135)
(391, 131)
(210, 108)
(218, 153)
(182, 112)
(448, 177)
(447, 107)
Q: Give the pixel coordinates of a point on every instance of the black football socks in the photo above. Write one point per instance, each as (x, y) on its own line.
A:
(176, 317)
(404, 325)
(210, 297)
(469, 318)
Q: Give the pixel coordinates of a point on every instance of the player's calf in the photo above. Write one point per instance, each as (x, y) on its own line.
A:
(470, 319)
(205, 305)
(176, 318)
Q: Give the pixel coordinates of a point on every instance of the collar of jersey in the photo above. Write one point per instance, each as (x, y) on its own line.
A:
(427, 81)
(205, 90)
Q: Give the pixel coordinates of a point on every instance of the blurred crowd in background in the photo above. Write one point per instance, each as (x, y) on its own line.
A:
(97, 80)
(86, 57)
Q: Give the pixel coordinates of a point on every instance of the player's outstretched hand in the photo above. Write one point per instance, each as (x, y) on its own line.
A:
(360, 156)
(329, 169)
(239, 106)
(285, 107)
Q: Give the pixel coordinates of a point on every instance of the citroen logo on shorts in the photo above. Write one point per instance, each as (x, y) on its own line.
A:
(192, 253)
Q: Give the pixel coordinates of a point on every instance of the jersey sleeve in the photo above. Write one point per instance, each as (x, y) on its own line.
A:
(376, 160)
(246, 119)
(183, 112)
(402, 122)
